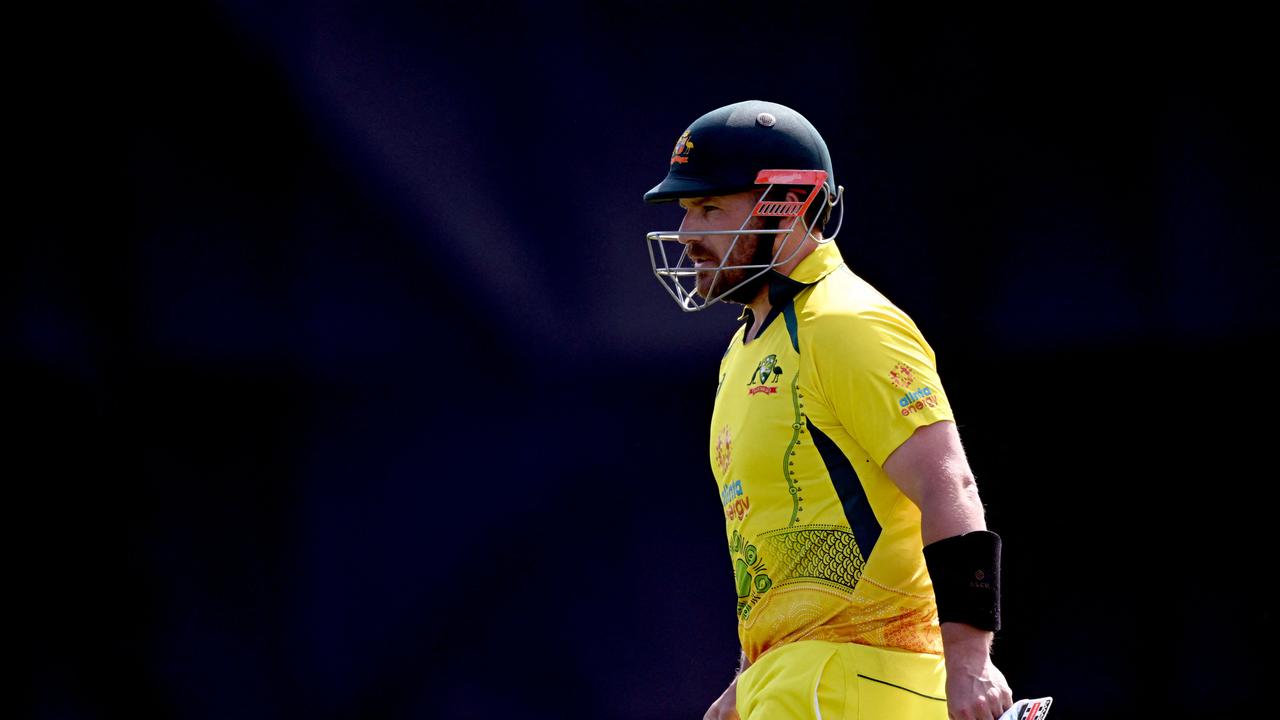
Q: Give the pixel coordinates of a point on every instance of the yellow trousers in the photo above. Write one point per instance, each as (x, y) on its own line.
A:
(816, 680)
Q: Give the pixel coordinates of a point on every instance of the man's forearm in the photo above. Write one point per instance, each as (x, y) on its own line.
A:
(950, 510)
(966, 650)
(964, 638)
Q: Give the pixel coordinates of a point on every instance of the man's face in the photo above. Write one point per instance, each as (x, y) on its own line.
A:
(708, 252)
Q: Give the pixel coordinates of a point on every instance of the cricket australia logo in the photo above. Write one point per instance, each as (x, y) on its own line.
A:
(683, 146)
(764, 379)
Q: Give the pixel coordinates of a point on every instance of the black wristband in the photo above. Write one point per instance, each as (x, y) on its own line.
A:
(966, 578)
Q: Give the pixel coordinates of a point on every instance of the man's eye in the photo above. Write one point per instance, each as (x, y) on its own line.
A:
(709, 208)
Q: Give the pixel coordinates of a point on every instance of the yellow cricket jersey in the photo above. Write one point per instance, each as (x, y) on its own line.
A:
(824, 546)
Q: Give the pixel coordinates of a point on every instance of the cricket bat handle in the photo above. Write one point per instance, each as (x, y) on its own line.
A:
(1028, 709)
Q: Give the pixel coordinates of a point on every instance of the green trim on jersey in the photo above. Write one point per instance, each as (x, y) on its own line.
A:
(788, 464)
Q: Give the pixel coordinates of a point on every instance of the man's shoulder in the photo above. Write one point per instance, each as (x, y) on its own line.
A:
(843, 302)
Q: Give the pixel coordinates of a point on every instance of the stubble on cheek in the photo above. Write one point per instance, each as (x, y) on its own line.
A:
(744, 252)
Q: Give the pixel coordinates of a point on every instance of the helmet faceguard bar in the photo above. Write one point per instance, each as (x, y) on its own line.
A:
(681, 278)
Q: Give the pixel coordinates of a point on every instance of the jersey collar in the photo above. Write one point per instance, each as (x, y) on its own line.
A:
(817, 264)
(783, 288)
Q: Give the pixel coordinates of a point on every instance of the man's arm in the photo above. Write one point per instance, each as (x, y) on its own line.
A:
(930, 468)
(726, 706)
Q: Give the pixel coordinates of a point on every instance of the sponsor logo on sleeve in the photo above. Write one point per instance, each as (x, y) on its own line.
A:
(904, 378)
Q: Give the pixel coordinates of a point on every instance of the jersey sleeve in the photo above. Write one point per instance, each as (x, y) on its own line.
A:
(879, 376)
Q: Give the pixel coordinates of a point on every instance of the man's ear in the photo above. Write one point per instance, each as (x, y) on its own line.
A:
(794, 195)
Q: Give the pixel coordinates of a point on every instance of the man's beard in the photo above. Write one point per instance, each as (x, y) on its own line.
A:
(751, 249)
(760, 252)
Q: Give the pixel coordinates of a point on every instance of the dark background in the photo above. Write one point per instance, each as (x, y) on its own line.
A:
(341, 387)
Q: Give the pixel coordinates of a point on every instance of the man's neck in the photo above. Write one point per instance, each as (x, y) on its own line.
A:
(759, 308)
(760, 305)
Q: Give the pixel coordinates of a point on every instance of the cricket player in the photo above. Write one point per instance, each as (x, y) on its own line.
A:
(868, 584)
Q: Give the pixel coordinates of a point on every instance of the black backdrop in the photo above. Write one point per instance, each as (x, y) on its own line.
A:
(343, 388)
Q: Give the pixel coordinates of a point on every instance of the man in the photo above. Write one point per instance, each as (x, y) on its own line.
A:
(867, 582)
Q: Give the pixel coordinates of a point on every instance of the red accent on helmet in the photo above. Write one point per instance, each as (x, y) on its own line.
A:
(791, 177)
(788, 208)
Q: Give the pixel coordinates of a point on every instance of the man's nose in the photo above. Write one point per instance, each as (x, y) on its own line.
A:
(687, 225)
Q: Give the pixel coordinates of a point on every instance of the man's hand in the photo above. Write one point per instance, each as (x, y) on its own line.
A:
(976, 689)
(726, 706)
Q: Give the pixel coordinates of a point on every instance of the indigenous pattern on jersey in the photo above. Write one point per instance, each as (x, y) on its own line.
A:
(824, 546)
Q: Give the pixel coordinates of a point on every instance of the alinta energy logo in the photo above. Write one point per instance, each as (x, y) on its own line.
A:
(764, 379)
(903, 377)
(736, 504)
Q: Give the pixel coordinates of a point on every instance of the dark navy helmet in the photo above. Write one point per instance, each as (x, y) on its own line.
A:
(744, 146)
(724, 151)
